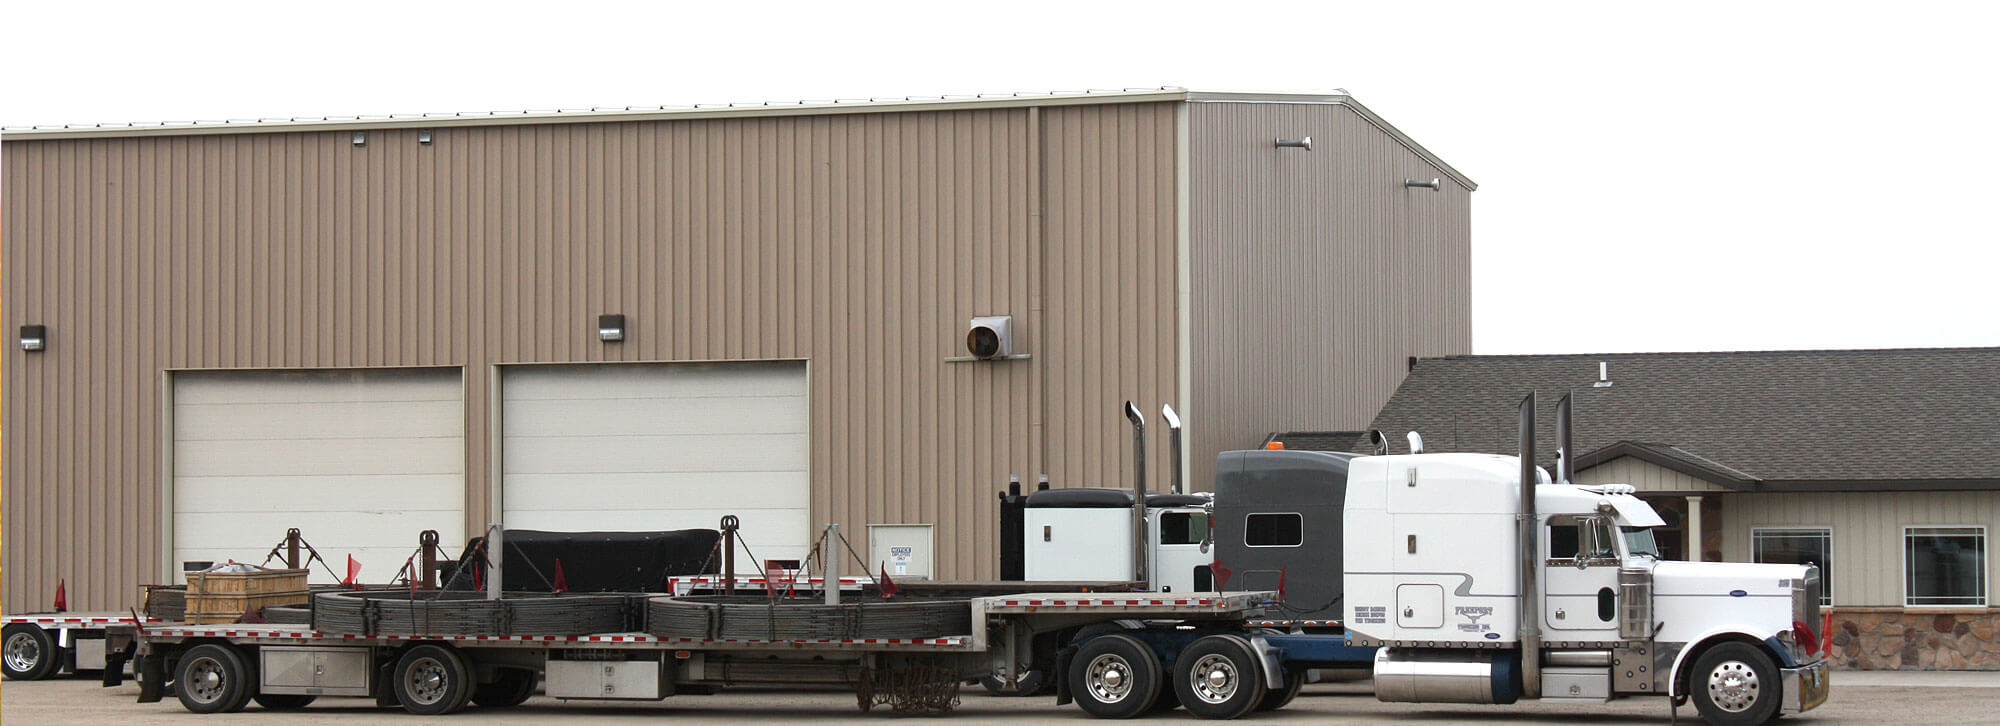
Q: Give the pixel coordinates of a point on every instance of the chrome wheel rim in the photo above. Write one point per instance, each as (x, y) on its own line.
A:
(24, 652)
(1733, 686)
(205, 680)
(1213, 679)
(426, 681)
(1110, 678)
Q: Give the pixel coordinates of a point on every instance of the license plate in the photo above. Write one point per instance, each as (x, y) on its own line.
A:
(1814, 685)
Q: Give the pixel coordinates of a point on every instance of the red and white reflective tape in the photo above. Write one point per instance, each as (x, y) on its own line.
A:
(58, 620)
(1105, 602)
(309, 635)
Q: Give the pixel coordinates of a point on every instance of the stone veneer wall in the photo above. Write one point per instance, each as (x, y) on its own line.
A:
(1898, 639)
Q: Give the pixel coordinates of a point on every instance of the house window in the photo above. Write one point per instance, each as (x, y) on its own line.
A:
(1944, 566)
(1797, 546)
(1274, 530)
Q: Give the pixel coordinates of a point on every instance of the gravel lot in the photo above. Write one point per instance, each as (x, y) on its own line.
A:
(71, 701)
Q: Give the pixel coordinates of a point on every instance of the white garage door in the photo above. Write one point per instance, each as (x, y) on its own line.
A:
(361, 461)
(643, 447)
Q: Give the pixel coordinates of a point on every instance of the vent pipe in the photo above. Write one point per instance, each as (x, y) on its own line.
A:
(1173, 448)
(1603, 375)
(1138, 491)
(1531, 631)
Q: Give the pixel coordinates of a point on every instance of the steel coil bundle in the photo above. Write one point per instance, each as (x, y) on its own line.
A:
(756, 618)
(470, 613)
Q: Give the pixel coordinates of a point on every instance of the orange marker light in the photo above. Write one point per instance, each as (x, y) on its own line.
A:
(1275, 445)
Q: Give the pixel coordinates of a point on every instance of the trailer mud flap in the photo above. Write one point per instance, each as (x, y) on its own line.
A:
(114, 669)
(1061, 673)
(152, 675)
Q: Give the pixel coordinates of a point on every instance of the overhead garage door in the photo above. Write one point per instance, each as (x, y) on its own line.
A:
(361, 461)
(643, 447)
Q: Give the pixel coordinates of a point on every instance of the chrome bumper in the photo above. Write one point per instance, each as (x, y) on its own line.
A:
(1806, 687)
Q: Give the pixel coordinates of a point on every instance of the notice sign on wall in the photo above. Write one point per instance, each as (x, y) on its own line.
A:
(899, 560)
(904, 550)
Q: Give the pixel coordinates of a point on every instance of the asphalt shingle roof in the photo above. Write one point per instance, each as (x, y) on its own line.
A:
(1890, 419)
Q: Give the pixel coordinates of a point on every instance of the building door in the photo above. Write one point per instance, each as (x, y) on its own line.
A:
(635, 447)
(360, 461)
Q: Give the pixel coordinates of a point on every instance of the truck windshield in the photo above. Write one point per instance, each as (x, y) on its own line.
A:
(1639, 541)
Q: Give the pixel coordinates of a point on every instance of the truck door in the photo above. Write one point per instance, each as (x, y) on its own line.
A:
(1180, 554)
(1580, 578)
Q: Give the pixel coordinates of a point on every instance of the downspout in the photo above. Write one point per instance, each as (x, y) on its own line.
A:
(1529, 611)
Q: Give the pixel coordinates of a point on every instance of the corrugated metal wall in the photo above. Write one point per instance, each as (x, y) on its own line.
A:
(861, 243)
(1644, 475)
(1315, 273)
(1867, 532)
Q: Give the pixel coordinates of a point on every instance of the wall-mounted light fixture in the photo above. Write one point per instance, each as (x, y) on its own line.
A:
(34, 337)
(1432, 183)
(424, 137)
(610, 328)
(360, 138)
(1305, 143)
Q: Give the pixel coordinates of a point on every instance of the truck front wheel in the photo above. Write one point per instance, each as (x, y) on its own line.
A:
(1219, 676)
(1735, 684)
(27, 652)
(1115, 676)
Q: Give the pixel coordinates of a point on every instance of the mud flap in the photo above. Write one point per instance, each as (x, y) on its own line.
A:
(1061, 673)
(152, 675)
(385, 687)
(114, 669)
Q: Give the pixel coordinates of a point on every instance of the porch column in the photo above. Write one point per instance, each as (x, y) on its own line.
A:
(1694, 527)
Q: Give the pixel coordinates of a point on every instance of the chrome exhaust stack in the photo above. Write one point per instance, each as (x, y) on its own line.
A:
(1530, 612)
(1138, 491)
(1565, 458)
(1173, 421)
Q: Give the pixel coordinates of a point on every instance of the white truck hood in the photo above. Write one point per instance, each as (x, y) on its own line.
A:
(1725, 579)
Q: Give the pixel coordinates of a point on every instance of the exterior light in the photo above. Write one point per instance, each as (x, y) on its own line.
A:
(1305, 143)
(1432, 184)
(611, 328)
(360, 138)
(34, 338)
(424, 137)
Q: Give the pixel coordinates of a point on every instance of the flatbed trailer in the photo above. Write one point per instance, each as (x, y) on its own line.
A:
(1114, 654)
(34, 646)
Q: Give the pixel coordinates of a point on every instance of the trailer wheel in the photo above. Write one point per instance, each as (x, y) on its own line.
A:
(213, 679)
(1277, 698)
(27, 653)
(283, 702)
(1115, 676)
(1218, 677)
(432, 680)
(1735, 684)
(512, 688)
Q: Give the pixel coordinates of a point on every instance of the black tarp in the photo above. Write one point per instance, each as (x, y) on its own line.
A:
(592, 561)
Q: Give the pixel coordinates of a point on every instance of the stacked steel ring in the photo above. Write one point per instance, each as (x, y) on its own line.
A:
(758, 618)
(470, 613)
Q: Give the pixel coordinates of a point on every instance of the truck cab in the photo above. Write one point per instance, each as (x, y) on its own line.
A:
(1433, 565)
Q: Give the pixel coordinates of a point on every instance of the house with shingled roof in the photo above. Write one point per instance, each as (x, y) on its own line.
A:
(1880, 466)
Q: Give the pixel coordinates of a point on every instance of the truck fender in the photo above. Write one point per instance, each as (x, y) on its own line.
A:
(1696, 644)
(1273, 659)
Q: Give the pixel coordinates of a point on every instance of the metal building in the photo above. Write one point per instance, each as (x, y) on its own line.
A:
(369, 327)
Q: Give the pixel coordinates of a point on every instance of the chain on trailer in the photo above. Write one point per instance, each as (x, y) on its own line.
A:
(915, 688)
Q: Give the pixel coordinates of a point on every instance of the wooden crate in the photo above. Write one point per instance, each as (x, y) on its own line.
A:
(224, 597)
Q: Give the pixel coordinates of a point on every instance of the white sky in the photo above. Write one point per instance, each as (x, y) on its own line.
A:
(1688, 176)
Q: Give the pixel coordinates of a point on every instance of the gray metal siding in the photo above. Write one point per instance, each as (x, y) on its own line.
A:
(860, 243)
(1646, 476)
(1315, 274)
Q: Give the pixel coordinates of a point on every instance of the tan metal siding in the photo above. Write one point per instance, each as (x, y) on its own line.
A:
(859, 243)
(1315, 274)
(1867, 531)
(1646, 476)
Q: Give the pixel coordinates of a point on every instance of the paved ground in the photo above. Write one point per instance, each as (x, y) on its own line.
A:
(1901, 699)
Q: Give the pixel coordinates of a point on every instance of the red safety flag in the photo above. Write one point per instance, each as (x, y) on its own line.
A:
(1220, 573)
(479, 576)
(1826, 636)
(1281, 584)
(353, 573)
(62, 596)
(886, 585)
(562, 583)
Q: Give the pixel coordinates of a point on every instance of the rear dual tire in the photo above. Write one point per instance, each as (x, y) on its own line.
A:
(433, 680)
(214, 679)
(1219, 676)
(27, 652)
(1115, 676)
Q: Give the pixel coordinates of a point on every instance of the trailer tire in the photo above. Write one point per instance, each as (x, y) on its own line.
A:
(433, 680)
(513, 687)
(213, 679)
(283, 701)
(1115, 676)
(1219, 676)
(1735, 684)
(1031, 682)
(1277, 698)
(27, 652)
